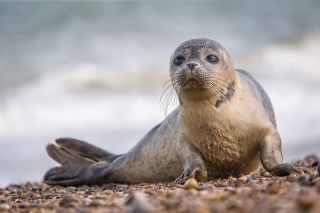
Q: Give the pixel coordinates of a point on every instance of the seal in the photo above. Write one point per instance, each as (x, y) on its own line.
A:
(224, 126)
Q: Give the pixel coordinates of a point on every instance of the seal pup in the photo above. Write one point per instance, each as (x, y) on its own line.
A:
(224, 126)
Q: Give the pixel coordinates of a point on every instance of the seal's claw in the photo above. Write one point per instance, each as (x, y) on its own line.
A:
(183, 177)
(196, 173)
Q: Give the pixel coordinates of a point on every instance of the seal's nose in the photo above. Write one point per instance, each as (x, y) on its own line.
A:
(191, 65)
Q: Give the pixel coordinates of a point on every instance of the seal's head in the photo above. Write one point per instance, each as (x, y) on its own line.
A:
(201, 69)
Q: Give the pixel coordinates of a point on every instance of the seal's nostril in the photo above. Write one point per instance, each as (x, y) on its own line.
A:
(191, 65)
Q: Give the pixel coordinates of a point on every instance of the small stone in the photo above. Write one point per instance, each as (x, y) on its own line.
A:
(48, 196)
(69, 201)
(252, 179)
(222, 185)
(238, 183)
(109, 186)
(203, 186)
(307, 201)
(122, 186)
(34, 189)
(236, 204)
(137, 202)
(18, 200)
(291, 178)
(242, 178)
(99, 202)
(221, 196)
(4, 207)
(314, 174)
(274, 188)
(89, 192)
(311, 157)
(264, 173)
(151, 192)
(315, 164)
(304, 180)
(24, 205)
(71, 189)
(191, 184)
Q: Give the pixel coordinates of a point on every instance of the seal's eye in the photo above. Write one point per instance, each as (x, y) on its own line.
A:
(178, 61)
(212, 59)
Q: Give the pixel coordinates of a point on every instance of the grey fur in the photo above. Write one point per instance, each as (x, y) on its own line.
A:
(200, 139)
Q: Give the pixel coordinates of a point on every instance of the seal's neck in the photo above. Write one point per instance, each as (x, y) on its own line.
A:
(226, 94)
(216, 97)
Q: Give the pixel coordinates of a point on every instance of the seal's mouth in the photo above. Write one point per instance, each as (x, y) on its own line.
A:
(191, 83)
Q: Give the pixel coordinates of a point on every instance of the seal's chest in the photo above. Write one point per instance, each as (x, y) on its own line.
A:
(217, 142)
(221, 142)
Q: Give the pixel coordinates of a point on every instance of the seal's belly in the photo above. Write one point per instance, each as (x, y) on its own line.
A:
(229, 152)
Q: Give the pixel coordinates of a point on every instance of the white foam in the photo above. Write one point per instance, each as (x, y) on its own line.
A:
(80, 99)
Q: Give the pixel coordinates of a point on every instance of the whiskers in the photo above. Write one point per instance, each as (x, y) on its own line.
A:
(169, 95)
(220, 88)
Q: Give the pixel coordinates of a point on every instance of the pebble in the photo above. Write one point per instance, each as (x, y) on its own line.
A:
(307, 201)
(291, 178)
(109, 186)
(250, 193)
(242, 179)
(69, 201)
(4, 207)
(137, 202)
(238, 183)
(252, 179)
(274, 188)
(191, 184)
(304, 180)
(315, 164)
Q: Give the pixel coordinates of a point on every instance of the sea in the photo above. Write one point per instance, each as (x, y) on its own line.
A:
(94, 70)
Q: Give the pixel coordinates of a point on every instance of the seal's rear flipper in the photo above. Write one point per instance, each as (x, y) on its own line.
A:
(65, 156)
(70, 151)
(84, 149)
(76, 175)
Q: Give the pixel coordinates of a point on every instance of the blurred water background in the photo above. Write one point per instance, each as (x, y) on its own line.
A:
(94, 71)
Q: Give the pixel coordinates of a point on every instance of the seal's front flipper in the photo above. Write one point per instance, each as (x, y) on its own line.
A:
(192, 162)
(76, 175)
(271, 156)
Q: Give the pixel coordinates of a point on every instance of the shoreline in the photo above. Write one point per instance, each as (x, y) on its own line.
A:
(259, 190)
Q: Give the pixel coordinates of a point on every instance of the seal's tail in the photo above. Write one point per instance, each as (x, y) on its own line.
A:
(68, 151)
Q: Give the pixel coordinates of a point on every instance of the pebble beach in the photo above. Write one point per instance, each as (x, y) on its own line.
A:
(256, 192)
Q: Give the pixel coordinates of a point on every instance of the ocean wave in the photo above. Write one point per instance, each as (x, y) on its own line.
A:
(294, 59)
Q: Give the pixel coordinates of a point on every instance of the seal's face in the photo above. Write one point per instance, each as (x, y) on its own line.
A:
(200, 68)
